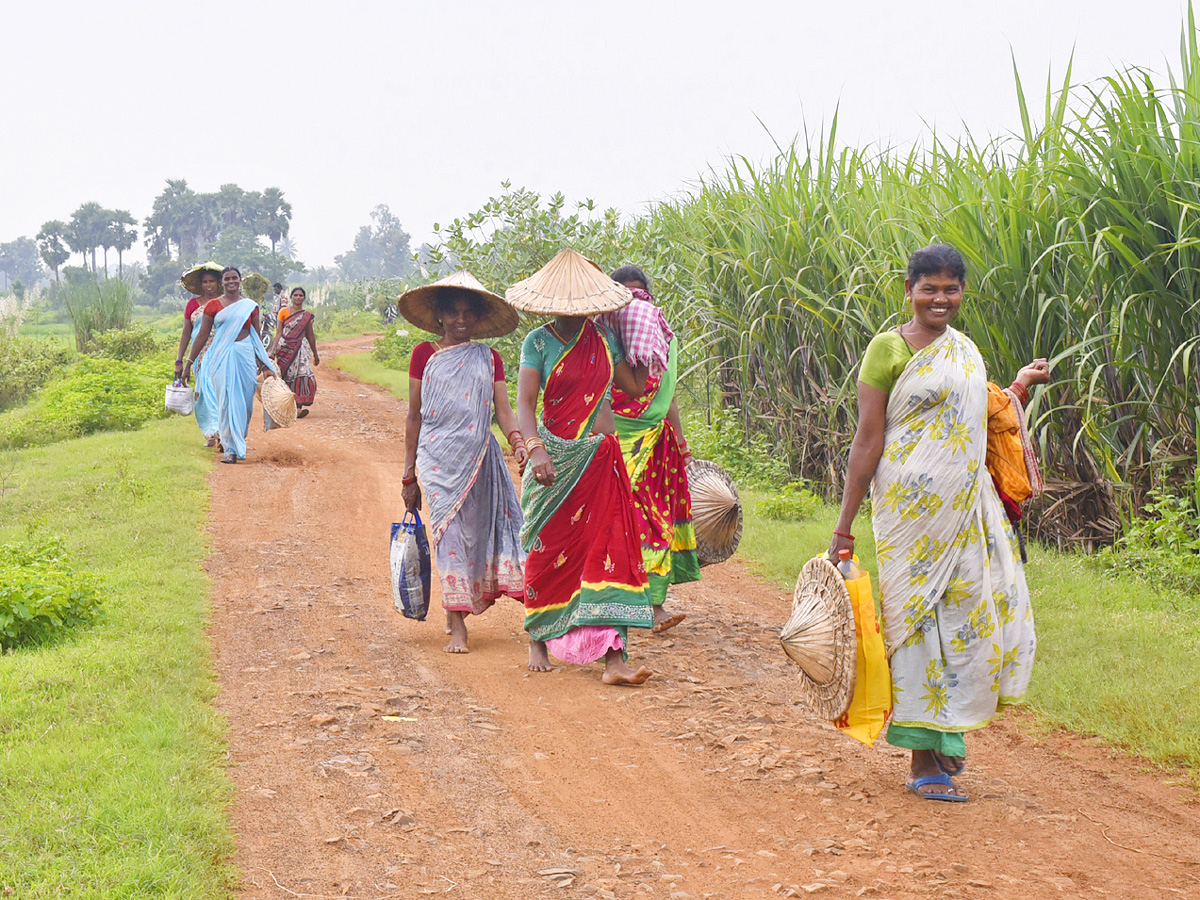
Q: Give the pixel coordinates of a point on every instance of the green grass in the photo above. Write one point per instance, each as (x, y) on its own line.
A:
(334, 324)
(1117, 657)
(364, 367)
(59, 331)
(112, 783)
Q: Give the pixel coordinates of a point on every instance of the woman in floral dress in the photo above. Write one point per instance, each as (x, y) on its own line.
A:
(956, 614)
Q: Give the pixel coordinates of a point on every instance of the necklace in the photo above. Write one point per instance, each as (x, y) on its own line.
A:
(554, 331)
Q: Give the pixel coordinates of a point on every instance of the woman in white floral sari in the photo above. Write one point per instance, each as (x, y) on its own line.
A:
(956, 615)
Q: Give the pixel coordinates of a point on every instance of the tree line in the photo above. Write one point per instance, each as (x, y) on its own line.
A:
(244, 228)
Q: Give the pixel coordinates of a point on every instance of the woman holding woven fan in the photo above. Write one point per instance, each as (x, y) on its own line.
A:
(957, 620)
(455, 386)
(294, 347)
(652, 442)
(585, 584)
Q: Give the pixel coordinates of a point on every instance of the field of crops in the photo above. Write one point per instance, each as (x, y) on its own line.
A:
(1082, 237)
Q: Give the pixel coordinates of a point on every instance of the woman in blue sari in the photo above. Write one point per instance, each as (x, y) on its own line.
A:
(232, 361)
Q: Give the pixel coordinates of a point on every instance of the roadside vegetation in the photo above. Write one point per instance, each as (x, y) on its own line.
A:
(113, 782)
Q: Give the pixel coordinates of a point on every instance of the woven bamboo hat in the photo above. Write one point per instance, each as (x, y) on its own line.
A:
(568, 285)
(716, 511)
(417, 306)
(191, 278)
(820, 637)
(278, 401)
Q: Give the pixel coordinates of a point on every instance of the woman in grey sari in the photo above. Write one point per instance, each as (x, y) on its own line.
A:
(455, 386)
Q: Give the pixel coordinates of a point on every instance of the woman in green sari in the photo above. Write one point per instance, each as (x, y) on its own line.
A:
(652, 443)
(957, 620)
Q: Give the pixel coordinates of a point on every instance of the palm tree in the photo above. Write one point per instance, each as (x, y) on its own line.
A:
(122, 232)
(86, 231)
(52, 244)
(276, 216)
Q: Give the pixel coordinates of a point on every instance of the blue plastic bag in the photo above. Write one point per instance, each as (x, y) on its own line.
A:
(411, 566)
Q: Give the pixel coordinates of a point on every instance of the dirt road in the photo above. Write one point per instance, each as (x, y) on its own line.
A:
(370, 764)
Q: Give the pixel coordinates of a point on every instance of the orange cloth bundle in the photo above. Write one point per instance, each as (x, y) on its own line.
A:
(1005, 453)
(872, 701)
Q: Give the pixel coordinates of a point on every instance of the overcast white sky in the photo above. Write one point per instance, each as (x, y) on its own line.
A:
(428, 107)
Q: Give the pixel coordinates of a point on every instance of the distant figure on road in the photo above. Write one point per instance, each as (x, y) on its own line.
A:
(294, 347)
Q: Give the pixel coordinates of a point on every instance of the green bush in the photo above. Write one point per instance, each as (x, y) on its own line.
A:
(94, 395)
(1163, 547)
(25, 365)
(793, 503)
(41, 595)
(723, 440)
(134, 342)
(396, 345)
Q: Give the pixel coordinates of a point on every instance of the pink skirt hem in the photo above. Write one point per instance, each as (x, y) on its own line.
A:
(585, 644)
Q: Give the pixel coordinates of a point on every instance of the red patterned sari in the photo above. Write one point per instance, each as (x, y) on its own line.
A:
(585, 562)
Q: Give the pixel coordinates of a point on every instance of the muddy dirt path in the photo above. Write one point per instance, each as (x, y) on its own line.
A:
(370, 764)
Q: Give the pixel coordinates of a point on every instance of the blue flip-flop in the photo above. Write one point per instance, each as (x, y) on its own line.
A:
(943, 779)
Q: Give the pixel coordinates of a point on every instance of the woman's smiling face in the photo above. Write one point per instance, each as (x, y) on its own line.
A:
(935, 299)
(231, 281)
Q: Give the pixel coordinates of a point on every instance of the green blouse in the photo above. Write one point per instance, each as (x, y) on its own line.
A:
(885, 359)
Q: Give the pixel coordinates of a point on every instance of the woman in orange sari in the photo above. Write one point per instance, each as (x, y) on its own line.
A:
(294, 347)
(585, 583)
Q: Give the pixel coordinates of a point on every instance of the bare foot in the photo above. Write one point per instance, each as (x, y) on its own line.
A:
(539, 659)
(617, 671)
(449, 630)
(664, 622)
(458, 632)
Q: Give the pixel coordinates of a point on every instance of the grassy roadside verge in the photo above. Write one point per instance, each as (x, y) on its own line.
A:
(112, 783)
(1117, 658)
(364, 367)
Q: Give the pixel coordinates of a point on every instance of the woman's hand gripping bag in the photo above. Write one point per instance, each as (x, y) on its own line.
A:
(872, 701)
(411, 566)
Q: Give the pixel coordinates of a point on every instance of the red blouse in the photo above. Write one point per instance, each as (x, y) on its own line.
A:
(424, 351)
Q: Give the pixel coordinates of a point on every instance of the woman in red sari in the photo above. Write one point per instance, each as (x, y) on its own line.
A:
(295, 349)
(585, 584)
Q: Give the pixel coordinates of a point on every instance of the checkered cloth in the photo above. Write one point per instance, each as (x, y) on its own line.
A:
(643, 330)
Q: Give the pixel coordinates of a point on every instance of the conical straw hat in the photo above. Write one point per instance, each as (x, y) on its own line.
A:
(191, 278)
(820, 637)
(279, 401)
(716, 511)
(417, 306)
(568, 285)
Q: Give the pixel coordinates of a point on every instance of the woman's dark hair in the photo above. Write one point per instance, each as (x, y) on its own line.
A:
(445, 298)
(230, 269)
(625, 274)
(303, 292)
(936, 259)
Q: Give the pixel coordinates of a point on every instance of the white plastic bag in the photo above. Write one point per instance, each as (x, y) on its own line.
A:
(180, 398)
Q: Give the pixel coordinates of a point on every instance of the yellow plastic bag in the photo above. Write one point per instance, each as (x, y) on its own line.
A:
(872, 701)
